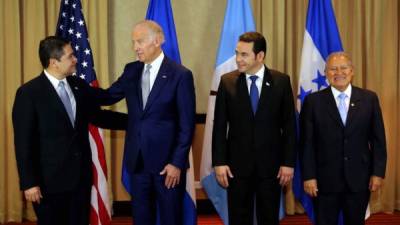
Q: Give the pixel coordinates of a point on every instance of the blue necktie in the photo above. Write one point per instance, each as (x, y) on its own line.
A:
(342, 107)
(146, 85)
(65, 100)
(254, 93)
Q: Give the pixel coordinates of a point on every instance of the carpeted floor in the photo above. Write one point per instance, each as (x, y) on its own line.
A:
(376, 219)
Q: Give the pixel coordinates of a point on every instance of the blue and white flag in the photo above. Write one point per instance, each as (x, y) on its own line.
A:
(321, 38)
(160, 11)
(238, 20)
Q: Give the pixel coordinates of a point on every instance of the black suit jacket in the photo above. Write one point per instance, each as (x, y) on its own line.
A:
(335, 154)
(50, 152)
(259, 143)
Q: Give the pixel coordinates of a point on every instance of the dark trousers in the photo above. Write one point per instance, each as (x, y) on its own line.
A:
(352, 204)
(150, 195)
(69, 208)
(242, 192)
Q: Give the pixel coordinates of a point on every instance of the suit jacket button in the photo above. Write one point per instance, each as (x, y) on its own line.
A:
(346, 158)
(345, 141)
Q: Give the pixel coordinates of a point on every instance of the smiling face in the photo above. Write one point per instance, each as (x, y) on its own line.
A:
(65, 66)
(246, 60)
(339, 71)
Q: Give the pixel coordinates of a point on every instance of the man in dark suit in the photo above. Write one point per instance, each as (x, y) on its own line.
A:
(51, 114)
(161, 108)
(253, 149)
(343, 145)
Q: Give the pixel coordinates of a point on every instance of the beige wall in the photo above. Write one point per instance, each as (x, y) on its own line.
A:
(198, 27)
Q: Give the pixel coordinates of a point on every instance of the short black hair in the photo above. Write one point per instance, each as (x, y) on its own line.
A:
(260, 44)
(51, 47)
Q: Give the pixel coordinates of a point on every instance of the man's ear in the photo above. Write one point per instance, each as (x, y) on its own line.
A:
(157, 41)
(52, 63)
(260, 56)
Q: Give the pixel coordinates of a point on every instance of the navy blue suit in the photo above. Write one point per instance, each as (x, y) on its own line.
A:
(157, 135)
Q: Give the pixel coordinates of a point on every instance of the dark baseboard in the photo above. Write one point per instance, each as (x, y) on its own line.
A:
(124, 208)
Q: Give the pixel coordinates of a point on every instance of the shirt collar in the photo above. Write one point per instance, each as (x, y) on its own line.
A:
(259, 73)
(157, 62)
(336, 92)
(53, 80)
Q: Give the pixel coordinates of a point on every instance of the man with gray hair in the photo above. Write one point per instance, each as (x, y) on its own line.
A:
(343, 147)
(160, 99)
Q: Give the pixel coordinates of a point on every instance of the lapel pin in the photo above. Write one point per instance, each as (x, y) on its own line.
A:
(268, 84)
(352, 104)
(164, 76)
(76, 88)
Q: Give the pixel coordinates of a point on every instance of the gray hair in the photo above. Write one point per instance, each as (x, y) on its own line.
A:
(154, 28)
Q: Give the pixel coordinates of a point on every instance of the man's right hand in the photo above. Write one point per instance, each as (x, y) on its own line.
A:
(33, 194)
(222, 173)
(311, 188)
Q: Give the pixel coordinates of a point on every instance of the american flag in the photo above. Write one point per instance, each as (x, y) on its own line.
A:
(71, 25)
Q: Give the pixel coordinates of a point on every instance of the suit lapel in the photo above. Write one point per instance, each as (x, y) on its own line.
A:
(54, 99)
(266, 88)
(353, 106)
(139, 85)
(331, 105)
(159, 83)
(243, 93)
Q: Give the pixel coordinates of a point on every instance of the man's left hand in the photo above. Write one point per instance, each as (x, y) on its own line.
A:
(285, 175)
(375, 183)
(173, 175)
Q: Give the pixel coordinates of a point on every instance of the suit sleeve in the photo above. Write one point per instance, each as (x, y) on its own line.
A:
(114, 93)
(26, 140)
(186, 105)
(219, 140)
(102, 118)
(307, 151)
(108, 119)
(288, 126)
(378, 140)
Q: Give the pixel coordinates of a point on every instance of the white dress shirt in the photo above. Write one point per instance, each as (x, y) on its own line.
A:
(54, 81)
(336, 94)
(260, 75)
(155, 67)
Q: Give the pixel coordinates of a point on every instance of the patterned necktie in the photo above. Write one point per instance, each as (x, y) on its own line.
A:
(146, 84)
(65, 100)
(254, 93)
(342, 107)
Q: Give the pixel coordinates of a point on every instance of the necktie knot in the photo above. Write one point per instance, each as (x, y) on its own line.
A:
(61, 84)
(342, 96)
(253, 78)
(148, 67)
